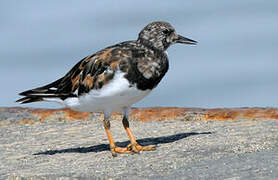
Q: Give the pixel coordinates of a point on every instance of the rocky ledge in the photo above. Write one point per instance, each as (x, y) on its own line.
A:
(18, 115)
(191, 143)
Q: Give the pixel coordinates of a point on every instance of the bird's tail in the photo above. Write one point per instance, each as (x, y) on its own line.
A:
(45, 93)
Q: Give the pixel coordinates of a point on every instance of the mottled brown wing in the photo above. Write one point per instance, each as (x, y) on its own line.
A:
(92, 72)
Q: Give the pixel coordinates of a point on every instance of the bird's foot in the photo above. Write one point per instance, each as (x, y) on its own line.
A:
(138, 148)
(119, 150)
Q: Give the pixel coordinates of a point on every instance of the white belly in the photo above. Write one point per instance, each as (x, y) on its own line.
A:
(111, 97)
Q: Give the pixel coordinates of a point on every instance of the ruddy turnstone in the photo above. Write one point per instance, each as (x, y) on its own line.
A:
(114, 78)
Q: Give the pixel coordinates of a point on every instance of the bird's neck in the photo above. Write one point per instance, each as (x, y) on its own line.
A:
(150, 45)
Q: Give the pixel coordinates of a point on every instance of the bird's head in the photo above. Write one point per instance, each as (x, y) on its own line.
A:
(160, 35)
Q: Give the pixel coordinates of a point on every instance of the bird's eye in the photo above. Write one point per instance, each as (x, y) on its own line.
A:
(167, 31)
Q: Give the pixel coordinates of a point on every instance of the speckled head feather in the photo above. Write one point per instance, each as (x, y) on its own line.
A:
(160, 35)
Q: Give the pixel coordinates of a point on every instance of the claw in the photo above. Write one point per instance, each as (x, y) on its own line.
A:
(137, 148)
(119, 150)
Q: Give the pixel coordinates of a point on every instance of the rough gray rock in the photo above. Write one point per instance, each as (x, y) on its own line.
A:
(241, 149)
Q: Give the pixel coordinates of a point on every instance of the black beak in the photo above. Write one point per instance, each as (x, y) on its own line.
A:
(185, 40)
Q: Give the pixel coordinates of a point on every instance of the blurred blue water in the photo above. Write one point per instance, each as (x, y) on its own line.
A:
(234, 65)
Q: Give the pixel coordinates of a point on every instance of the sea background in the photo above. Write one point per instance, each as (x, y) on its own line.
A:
(235, 63)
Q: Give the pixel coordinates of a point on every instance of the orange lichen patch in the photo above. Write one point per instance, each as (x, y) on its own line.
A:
(156, 114)
(68, 114)
(44, 113)
(18, 115)
(26, 121)
(272, 113)
(221, 114)
(241, 113)
(15, 109)
(76, 115)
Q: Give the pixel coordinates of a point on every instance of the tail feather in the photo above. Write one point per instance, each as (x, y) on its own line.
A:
(41, 93)
(26, 100)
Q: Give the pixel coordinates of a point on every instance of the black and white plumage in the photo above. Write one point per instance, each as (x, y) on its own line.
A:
(114, 78)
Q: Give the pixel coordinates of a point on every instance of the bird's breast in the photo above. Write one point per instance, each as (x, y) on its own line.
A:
(147, 72)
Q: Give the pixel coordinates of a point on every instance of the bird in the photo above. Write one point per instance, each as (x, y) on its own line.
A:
(113, 79)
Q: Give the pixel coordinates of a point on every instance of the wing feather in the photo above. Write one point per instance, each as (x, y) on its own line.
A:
(92, 72)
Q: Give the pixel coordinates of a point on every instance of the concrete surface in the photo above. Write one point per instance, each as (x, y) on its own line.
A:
(233, 149)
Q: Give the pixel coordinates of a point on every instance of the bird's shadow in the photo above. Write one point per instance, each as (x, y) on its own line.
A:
(105, 147)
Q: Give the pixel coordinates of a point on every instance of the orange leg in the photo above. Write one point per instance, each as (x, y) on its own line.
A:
(114, 149)
(134, 146)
